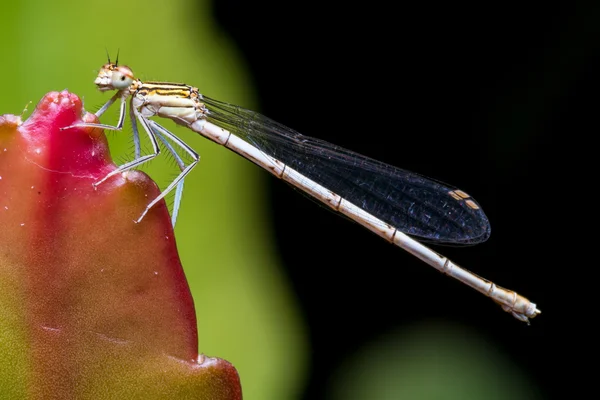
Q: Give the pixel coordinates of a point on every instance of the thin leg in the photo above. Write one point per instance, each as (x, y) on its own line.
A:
(186, 170)
(177, 202)
(181, 164)
(101, 111)
(136, 135)
(140, 160)
(109, 103)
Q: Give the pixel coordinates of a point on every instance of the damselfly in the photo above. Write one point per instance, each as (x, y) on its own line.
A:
(393, 203)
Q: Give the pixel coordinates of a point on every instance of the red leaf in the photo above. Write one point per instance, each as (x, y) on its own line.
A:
(98, 301)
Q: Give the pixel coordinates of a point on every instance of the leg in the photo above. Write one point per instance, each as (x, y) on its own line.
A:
(101, 111)
(139, 160)
(109, 103)
(136, 136)
(181, 164)
(160, 131)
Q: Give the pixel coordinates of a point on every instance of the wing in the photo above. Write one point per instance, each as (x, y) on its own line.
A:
(418, 206)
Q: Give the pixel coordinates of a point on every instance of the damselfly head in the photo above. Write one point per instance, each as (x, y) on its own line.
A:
(114, 77)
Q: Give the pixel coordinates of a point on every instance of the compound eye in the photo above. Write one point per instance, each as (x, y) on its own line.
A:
(122, 77)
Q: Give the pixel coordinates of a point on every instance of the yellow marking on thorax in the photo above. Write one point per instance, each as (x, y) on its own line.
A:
(166, 94)
(165, 89)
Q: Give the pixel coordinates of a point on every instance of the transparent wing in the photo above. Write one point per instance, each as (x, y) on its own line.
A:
(416, 205)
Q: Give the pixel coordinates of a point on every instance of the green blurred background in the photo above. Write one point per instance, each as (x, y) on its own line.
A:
(292, 330)
(246, 313)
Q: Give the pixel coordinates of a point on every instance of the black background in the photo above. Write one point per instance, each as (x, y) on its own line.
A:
(494, 99)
